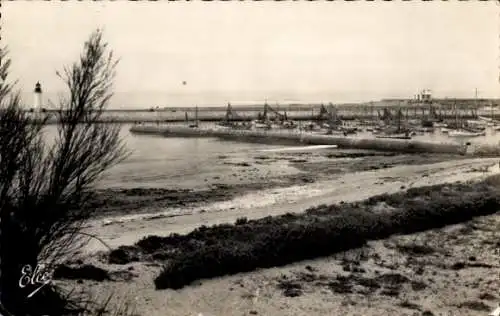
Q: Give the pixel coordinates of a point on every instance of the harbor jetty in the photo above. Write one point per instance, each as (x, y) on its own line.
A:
(204, 115)
(294, 137)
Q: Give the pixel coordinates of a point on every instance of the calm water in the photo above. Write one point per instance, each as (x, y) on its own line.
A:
(163, 162)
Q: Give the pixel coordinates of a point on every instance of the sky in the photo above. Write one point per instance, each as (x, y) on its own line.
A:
(247, 52)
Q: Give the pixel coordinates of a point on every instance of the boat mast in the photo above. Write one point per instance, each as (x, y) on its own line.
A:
(229, 113)
(492, 115)
(371, 112)
(196, 116)
(475, 103)
(399, 117)
(475, 98)
(265, 112)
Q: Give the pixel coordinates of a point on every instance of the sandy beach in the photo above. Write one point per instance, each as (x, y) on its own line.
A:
(378, 279)
(451, 271)
(125, 230)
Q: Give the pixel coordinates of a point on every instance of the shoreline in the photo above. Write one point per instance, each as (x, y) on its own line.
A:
(261, 170)
(127, 229)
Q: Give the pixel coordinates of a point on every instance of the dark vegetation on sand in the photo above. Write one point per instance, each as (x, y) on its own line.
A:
(132, 201)
(274, 241)
(370, 161)
(110, 202)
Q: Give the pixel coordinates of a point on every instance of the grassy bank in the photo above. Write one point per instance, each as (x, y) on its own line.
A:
(274, 241)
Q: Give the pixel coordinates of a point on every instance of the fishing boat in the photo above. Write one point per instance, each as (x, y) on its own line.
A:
(394, 136)
(424, 129)
(488, 121)
(465, 133)
(223, 125)
(228, 121)
(259, 124)
(288, 124)
(336, 132)
(439, 124)
(349, 130)
(459, 129)
(478, 124)
(242, 126)
(397, 132)
(195, 124)
(491, 122)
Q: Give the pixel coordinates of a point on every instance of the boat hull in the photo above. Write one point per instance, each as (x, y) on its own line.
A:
(465, 134)
(394, 136)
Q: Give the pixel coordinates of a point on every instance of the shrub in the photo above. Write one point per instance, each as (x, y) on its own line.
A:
(45, 189)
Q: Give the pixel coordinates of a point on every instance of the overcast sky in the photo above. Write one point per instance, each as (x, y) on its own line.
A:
(248, 51)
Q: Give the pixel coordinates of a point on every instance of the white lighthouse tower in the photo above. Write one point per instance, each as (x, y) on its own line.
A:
(37, 104)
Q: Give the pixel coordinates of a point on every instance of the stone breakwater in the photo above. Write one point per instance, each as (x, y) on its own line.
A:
(289, 137)
(251, 113)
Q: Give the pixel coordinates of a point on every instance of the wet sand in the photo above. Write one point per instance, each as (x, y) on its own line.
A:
(261, 171)
(321, 181)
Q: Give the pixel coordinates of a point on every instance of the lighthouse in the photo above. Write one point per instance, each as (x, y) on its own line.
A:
(37, 104)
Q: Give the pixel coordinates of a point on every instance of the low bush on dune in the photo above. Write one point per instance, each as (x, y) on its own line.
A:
(273, 241)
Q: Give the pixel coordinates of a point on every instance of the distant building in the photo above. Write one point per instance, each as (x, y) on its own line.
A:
(426, 96)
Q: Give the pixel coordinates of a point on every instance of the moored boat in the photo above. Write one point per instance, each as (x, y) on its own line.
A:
(219, 127)
(394, 133)
(261, 126)
(465, 133)
(425, 129)
(395, 136)
(336, 132)
(489, 121)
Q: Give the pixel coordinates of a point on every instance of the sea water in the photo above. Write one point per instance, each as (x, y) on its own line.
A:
(169, 162)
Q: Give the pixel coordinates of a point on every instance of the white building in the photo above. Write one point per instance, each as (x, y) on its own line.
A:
(425, 96)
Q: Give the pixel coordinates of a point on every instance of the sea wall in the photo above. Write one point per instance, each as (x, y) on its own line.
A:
(166, 115)
(301, 138)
